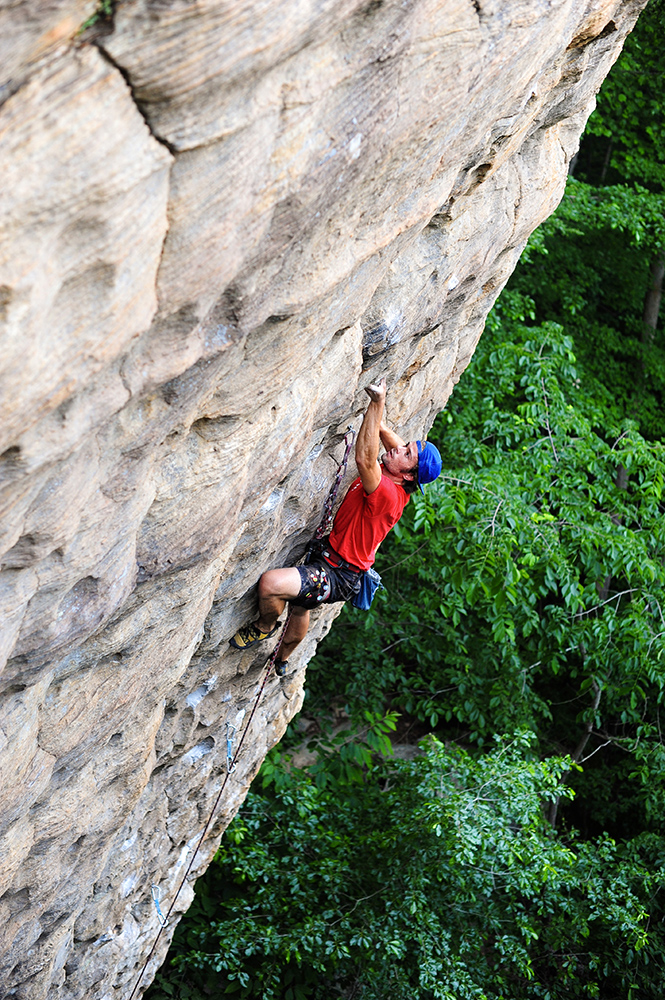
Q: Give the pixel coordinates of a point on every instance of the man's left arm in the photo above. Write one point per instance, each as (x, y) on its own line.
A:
(388, 438)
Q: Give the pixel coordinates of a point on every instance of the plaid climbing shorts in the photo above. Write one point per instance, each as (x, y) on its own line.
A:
(322, 583)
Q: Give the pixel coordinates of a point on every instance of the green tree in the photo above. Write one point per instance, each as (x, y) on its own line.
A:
(597, 265)
(596, 268)
(432, 883)
(625, 136)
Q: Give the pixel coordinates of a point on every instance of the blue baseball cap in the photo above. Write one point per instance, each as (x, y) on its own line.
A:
(429, 463)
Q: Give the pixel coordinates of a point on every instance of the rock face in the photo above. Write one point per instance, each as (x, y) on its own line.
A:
(219, 221)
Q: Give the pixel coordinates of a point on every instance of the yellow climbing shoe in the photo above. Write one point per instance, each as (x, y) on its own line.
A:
(250, 634)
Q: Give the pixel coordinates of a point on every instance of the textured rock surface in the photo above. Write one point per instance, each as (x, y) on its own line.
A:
(218, 222)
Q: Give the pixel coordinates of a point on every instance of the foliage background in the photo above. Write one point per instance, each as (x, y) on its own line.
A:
(520, 852)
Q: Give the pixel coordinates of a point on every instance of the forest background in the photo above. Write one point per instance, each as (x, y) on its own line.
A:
(519, 852)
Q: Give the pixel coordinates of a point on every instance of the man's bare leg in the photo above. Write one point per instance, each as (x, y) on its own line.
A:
(275, 588)
(295, 633)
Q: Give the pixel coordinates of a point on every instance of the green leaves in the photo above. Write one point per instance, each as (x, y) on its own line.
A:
(629, 109)
(443, 881)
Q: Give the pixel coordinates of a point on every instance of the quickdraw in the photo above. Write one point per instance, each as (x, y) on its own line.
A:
(154, 890)
(230, 736)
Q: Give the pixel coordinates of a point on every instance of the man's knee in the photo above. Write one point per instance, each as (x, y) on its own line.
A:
(266, 584)
(283, 583)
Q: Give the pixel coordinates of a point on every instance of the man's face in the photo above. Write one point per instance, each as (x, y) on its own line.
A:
(400, 460)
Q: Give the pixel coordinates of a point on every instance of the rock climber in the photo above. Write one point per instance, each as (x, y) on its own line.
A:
(372, 506)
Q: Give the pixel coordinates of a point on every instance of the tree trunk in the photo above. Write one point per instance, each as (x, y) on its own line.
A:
(606, 162)
(650, 314)
(652, 300)
(621, 483)
(580, 748)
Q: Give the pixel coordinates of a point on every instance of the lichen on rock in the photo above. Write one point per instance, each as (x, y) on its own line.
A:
(219, 222)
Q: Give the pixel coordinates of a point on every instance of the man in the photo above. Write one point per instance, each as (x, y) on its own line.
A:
(372, 506)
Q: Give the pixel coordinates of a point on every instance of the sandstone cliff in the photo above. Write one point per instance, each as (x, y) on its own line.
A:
(219, 221)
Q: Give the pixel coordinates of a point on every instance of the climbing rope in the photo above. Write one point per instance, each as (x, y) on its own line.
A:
(163, 920)
(231, 758)
(327, 518)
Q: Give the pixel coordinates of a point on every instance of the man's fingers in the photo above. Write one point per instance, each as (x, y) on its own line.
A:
(376, 388)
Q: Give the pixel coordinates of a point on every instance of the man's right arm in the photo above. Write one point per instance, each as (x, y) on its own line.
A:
(367, 442)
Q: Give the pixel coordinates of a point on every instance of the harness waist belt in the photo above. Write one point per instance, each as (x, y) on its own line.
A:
(336, 561)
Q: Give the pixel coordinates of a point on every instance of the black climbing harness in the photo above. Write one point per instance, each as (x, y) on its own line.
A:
(231, 757)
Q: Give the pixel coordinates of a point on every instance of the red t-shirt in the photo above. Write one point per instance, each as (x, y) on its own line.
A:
(363, 521)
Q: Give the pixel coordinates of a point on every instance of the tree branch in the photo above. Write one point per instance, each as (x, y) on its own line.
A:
(579, 750)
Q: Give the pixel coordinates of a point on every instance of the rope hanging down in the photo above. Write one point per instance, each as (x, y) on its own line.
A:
(323, 529)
